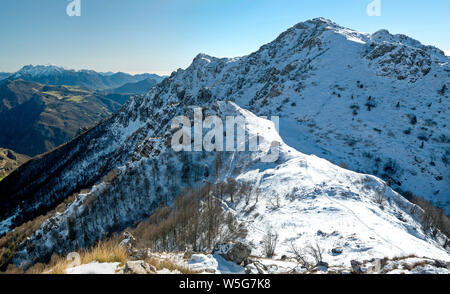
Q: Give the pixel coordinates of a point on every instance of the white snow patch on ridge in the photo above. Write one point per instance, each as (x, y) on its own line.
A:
(94, 268)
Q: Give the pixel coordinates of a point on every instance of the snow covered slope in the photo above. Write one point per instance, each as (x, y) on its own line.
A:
(128, 168)
(378, 103)
(303, 198)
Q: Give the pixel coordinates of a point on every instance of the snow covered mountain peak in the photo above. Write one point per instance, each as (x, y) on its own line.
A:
(35, 71)
(376, 102)
(317, 23)
(38, 70)
(202, 57)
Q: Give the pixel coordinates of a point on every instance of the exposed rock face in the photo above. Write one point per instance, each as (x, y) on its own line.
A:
(129, 242)
(356, 267)
(337, 250)
(9, 161)
(442, 264)
(11, 155)
(138, 254)
(236, 252)
(139, 267)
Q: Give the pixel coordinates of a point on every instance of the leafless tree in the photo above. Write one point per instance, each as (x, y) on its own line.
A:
(219, 189)
(270, 242)
(379, 196)
(245, 190)
(275, 200)
(299, 255)
(316, 252)
(231, 188)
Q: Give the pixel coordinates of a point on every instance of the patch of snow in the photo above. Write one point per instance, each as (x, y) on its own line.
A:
(165, 271)
(95, 268)
(202, 262)
(214, 264)
(5, 225)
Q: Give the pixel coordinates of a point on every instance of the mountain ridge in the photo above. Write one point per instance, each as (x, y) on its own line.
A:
(55, 75)
(407, 75)
(138, 88)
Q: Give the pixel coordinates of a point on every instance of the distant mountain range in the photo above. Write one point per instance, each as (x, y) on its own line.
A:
(41, 117)
(55, 75)
(4, 75)
(140, 87)
(47, 105)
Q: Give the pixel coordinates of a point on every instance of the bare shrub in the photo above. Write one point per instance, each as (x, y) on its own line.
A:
(275, 200)
(310, 257)
(379, 196)
(270, 242)
(316, 252)
(343, 165)
(300, 255)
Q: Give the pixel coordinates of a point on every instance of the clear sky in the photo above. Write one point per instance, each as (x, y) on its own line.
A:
(163, 35)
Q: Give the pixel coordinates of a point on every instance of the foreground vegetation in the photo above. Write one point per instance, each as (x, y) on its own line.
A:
(105, 251)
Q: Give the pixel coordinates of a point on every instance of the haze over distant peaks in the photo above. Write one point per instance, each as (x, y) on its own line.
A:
(90, 79)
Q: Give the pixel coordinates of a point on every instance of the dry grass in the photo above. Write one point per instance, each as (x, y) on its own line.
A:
(422, 263)
(59, 268)
(57, 265)
(107, 251)
(397, 258)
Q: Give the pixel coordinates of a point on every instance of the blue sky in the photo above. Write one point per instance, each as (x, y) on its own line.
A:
(163, 35)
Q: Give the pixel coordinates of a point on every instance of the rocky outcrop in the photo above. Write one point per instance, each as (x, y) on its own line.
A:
(129, 242)
(138, 267)
(236, 252)
(356, 267)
